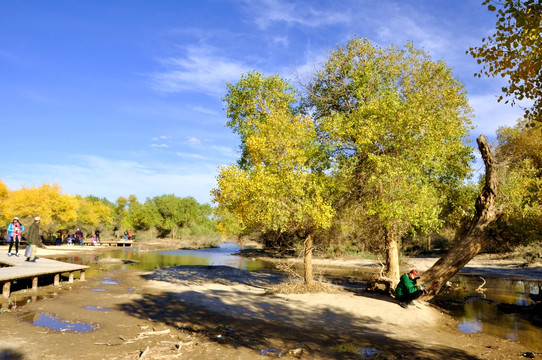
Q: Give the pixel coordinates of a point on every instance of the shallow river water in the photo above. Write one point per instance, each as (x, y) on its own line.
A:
(476, 311)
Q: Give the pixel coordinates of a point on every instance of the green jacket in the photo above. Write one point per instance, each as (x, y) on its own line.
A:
(33, 235)
(405, 286)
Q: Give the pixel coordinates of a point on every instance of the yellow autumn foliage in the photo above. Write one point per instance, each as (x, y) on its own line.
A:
(92, 213)
(46, 201)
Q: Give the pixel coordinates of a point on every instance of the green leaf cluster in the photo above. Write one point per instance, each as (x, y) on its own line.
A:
(278, 183)
(514, 52)
(396, 123)
(376, 134)
(519, 152)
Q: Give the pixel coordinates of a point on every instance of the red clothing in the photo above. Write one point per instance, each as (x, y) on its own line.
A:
(17, 230)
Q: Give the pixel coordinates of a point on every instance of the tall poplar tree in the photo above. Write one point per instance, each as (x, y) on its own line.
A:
(396, 122)
(278, 183)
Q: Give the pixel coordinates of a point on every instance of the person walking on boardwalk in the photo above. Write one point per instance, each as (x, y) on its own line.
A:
(34, 239)
(15, 230)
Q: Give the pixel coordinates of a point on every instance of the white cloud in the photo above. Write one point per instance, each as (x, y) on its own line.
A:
(490, 115)
(159, 145)
(281, 40)
(93, 175)
(267, 12)
(200, 70)
(192, 156)
(163, 137)
(194, 141)
(205, 110)
(226, 152)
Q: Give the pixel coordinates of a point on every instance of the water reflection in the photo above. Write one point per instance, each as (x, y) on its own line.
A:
(135, 259)
(476, 308)
(470, 327)
(56, 324)
(96, 308)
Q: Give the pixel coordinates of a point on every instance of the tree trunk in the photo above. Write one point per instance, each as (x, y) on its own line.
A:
(241, 245)
(392, 256)
(388, 278)
(307, 259)
(474, 239)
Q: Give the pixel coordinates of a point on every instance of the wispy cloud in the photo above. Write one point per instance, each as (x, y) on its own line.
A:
(160, 145)
(205, 110)
(192, 156)
(200, 70)
(266, 13)
(157, 138)
(282, 40)
(194, 141)
(226, 152)
(93, 175)
(490, 115)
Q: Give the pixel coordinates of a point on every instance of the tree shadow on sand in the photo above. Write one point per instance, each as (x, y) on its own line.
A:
(249, 319)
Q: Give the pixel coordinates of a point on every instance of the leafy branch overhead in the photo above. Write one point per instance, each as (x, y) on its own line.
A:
(514, 52)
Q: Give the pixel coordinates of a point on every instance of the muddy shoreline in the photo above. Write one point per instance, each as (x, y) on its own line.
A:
(223, 313)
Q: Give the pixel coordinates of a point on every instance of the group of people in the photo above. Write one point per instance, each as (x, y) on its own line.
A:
(77, 238)
(15, 232)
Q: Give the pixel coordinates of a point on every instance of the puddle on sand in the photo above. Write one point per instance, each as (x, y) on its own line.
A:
(56, 324)
(96, 308)
(109, 281)
(97, 289)
(351, 348)
(470, 327)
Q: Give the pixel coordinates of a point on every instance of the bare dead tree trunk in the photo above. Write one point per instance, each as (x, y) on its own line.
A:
(474, 239)
(307, 259)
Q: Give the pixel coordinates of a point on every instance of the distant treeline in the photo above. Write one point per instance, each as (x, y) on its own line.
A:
(161, 216)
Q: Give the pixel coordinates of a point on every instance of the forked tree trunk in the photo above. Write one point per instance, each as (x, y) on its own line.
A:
(307, 259)
(474, 239)
(392, 256)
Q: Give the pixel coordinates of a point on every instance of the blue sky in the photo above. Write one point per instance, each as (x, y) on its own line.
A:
(112, 98)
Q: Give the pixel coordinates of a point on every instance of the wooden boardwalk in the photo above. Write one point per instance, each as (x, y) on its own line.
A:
(15, 268)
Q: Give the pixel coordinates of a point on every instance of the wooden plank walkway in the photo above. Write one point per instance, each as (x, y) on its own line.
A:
(17, 268)
(88, 242)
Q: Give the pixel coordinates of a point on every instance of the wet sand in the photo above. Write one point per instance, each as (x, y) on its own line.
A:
(224, 313)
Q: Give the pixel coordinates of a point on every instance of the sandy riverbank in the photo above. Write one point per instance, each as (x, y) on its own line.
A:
(224, 313)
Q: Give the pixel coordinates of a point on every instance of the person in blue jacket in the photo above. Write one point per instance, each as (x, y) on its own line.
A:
(15, 231)
(407, 290)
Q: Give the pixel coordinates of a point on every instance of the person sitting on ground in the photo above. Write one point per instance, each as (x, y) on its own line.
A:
(407, 290)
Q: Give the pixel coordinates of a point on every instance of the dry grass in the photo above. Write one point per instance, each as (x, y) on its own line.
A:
(295, 283)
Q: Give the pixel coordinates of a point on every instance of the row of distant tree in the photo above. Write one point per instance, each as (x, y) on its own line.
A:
(163, 216)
